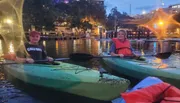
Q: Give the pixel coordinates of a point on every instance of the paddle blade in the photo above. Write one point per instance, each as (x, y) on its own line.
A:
(80, 57)
(164, 55)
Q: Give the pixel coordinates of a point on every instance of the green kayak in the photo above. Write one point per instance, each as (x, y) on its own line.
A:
(142, 69)
(70, 78)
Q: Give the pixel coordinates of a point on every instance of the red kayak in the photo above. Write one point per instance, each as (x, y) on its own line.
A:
(157, 93)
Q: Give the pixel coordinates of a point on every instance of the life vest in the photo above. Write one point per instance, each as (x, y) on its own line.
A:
(10, 56)
(122, 47)
(157, 93)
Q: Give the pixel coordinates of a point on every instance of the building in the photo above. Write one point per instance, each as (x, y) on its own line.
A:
(174, 8)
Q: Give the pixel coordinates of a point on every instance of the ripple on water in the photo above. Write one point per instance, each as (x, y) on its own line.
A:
(9, 94)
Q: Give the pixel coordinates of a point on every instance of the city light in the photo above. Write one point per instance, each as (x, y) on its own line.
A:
(162, 3)
(8, 21)
(143, 12)
(161, 22)
(66, 1)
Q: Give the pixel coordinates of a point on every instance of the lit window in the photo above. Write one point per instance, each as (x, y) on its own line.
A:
(66, 1)
(178, 6)
(174, 6)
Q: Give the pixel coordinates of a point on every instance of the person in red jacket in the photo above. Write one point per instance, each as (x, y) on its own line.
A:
(121, 46)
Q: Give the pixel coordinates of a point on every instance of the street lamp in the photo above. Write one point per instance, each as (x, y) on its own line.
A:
(115, 25)
(161, 23)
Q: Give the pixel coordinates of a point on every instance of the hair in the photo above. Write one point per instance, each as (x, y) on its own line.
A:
(34, 33)
(124, 32)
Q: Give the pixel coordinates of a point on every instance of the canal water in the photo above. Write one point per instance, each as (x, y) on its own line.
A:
(15, 91)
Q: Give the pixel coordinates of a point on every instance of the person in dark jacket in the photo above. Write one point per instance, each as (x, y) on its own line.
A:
(34, 50)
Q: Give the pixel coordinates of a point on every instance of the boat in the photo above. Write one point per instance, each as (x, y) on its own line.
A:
(69, 78)
(148, 81)
(151, 90)
(142, 69)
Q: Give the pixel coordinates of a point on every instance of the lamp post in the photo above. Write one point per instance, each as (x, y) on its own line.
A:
(115, 25)
(162, 3)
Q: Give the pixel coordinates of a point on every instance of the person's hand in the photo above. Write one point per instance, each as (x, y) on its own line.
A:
(50, 59)
(29, 60)
(121, 55)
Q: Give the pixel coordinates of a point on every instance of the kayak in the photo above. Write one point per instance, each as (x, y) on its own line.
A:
(142, 69)
(148, 81)
(70, 78)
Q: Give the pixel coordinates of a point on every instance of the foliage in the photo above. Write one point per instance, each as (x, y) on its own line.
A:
(115, 18)
(39, 13)
(49, 12)
(177, 17)
(85, 14)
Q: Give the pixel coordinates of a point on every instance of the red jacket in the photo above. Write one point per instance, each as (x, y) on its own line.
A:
(122, 47)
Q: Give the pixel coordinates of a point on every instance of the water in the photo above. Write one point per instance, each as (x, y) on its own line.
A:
(15, 91)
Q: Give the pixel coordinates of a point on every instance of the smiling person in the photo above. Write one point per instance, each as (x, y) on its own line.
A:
(121, 46)
(34, 49)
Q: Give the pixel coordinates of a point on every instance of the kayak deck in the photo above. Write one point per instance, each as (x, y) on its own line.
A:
(142, 69)
(70, 78)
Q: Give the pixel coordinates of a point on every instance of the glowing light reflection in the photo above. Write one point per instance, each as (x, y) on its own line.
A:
(11, 48)
(1, 48)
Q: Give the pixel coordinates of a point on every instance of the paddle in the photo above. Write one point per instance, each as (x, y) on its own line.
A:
(36, 61)
(81, 57)
(86, 57)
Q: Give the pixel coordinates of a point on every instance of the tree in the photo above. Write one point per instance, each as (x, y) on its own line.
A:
(39, 13)
(84, 12)
(81, 14)
(177, 17)
(115, 18)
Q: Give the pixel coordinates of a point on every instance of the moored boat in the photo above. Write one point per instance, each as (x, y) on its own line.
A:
(142, 69)
(70, 78)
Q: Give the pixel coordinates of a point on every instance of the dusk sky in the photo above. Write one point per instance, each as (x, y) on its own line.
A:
(137, 6)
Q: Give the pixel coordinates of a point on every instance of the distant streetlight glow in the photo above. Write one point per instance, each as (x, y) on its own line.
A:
(66, 1)
(162, 4)
(143, 12)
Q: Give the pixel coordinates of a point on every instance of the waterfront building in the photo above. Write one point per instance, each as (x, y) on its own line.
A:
(174, 8)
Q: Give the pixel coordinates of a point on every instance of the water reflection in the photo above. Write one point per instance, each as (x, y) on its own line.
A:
(177, 46)
(1, 48)
(57, 48)
(11, 48)
(65, 47)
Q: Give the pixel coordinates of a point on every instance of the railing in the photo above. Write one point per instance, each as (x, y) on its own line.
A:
(133, 35)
